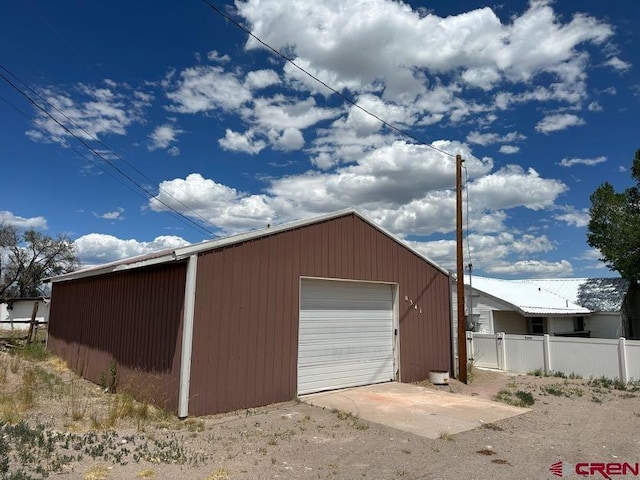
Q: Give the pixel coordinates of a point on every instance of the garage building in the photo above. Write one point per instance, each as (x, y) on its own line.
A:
(257, 318)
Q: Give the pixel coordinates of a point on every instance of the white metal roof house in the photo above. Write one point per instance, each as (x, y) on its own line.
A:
(564, 306)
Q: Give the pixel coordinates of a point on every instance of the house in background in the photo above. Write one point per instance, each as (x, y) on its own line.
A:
(604, 297)
(592, 307)
(521, 307)
(15, 313)
(257, 318)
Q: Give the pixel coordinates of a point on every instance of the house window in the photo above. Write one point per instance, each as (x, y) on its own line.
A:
(578, 324)
(537, 325)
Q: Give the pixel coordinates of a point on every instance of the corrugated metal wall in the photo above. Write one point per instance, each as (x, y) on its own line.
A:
(247, 307)
(133, 318)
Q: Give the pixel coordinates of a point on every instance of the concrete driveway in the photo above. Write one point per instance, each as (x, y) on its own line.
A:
(422, 411)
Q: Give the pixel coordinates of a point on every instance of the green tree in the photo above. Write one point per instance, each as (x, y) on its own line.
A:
(26, 258)
(614, 228)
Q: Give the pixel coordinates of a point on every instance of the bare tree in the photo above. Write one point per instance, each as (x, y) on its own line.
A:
(26, 258)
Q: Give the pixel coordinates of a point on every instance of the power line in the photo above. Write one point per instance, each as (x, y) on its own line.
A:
(344, 97)
(99, 155)
(99, 142)
(81, 154)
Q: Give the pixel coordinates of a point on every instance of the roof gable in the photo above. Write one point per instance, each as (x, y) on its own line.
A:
(182, 253)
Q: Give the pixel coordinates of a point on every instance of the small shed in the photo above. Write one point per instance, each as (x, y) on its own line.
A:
(257, 318)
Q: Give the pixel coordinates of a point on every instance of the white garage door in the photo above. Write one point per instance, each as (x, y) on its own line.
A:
(346, 335)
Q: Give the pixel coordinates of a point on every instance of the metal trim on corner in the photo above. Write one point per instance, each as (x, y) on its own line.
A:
(187, 336)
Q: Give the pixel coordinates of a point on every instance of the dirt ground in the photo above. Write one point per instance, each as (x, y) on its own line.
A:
(59, 426)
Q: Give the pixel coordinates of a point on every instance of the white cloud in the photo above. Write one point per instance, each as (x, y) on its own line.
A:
(8, 218)
(242, 142)
(617, 64)
(511, 187)
(204, 88)
(491, 138)
(570, 162)
(258, 79)
(535, 268)
(163, 136)
(117, 214)
(225, 207)
(98, 248)
(290, 139)
(576, 218)
(87, 112)
(214, 56)
(174, 151)
(322, 37)
(560, 121)
(509, 149)
(488, 252)
(594, 107)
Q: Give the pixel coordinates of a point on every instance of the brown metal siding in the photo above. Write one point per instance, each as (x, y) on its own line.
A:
(133, 318)
(245, 344)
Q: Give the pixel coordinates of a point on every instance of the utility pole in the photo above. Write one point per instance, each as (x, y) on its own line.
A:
(462, 330)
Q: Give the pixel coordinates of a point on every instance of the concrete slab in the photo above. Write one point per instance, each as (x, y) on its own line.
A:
(422, 411)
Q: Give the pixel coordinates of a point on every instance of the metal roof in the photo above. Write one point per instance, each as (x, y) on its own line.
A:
(526, 296)
(182, 253)
(596, 294)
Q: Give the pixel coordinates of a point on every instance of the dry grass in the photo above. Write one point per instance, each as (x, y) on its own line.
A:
(146, 473)
(219, 474)
(97, 472)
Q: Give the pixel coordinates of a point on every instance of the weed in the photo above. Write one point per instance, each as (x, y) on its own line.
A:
(595, 399)
(525, 398)
(445, 435)
(471, 370)
(538, 372)
(607, 383)
(27, 390)
(220, 474)
(146, 473)
(78, 404)
(32, 351)
(353, 420)
(194, 425)
(628, 395)
(517, 399)
(406, 450)
(97, 472)
(562, 390)
(486, 451)
(113, 376)
(492, 426)
(14, 365)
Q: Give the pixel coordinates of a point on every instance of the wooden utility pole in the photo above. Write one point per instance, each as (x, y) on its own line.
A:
(462, 330)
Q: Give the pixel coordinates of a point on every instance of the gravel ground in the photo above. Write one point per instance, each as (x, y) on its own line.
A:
(63, 427)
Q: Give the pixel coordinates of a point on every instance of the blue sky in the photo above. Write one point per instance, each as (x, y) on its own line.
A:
(540, 98)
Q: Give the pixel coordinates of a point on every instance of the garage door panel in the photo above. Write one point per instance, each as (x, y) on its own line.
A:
(343, 376)
(345, 334)
(349, 354)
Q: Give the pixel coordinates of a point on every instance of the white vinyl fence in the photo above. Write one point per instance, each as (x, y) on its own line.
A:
(587, 357)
